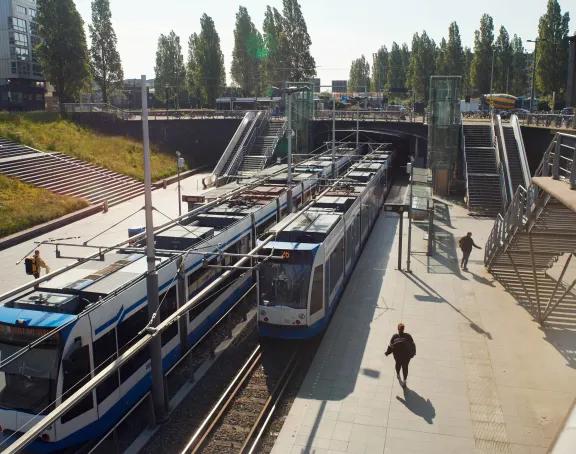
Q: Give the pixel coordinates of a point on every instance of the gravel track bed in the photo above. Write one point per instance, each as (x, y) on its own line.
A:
(173, 436)
(275, 426)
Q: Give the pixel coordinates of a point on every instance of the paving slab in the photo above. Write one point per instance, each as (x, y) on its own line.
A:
(487, 377)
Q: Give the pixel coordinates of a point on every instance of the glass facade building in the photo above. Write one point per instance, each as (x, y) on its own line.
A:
(22, 84)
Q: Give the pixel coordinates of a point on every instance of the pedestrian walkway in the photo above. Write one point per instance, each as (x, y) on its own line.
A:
(165, 200)
(486, 379)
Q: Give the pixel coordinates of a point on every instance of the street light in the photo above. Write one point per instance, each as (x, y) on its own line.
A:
(492, 85)
(289, 92)
(534, 63)
(180, 164)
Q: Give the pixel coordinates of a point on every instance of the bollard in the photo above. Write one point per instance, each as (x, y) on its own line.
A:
(105, 206)
(164, 184)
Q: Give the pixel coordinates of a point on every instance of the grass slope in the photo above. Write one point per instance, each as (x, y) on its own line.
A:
(23, 206)
(46, 131)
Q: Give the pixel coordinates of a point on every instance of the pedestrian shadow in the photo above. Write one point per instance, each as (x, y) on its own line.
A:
(482, 280)
(418, 405)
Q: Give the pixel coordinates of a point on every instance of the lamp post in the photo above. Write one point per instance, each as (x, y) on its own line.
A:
(534, 63)
(334, 137)
(410, 170)
(180, 164)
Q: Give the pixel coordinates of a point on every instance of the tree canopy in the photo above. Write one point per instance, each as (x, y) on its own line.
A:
(247, 53)
(481, 70)
(170, 70)
(359, 75)
(106, 64)
(552, 64)
(296, 42)
(63, 52)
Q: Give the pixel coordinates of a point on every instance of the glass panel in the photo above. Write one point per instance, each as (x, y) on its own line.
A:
(28, 383)
(317, 298)
(286, 282)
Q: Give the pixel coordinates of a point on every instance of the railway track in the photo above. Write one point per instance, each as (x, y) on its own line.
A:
(239, 418)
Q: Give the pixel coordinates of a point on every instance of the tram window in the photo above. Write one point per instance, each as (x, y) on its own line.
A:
(127, 335)
(104, 353)
(350, 240)
(167, 308)
(317, 299)
(336, 265)
(77, 374)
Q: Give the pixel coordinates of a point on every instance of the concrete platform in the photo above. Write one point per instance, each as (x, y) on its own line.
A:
(486, 379)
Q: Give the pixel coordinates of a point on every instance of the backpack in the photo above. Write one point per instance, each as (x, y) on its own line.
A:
(404, 346)
(30, 265)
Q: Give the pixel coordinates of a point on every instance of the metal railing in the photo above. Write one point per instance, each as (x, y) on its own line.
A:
(97, 108)
(503, 152)
(559, 162)
(515, 123)
(464, 157)
(548, 120)
(371, 115)
(269, 150)
(244, 146)
(499, 167)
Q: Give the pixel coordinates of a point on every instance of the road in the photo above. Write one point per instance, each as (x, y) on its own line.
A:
(165, 200)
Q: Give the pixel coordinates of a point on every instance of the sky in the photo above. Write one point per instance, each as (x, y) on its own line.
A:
(341, 31)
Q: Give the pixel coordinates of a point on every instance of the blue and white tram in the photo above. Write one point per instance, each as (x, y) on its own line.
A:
(97, 312)
(319, 247)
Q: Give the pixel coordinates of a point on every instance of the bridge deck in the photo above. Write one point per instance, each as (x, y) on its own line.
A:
(486, 379)
(558, 189)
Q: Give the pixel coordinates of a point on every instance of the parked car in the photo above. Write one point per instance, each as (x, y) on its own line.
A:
(567, 111)
(396, 109)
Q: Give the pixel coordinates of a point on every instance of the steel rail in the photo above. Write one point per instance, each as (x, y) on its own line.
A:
(268, 409)
(250, 363)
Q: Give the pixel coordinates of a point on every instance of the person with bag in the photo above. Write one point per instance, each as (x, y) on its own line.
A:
(34, 264)
(403, 347)
(466, 243)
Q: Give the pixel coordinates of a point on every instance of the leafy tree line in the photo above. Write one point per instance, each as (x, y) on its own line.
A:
(412, 68)
(260, 60)
(63, 51)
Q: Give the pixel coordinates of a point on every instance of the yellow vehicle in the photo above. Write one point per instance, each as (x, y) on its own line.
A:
(501, 101)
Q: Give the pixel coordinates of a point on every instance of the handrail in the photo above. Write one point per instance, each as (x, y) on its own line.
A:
(96, 107)
(504, 156)
(464, 155)
(499, 167)
(242, 148)
(515, 123)
(277, 138)
(248, 117)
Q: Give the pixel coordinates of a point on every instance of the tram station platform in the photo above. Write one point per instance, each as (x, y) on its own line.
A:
(487, 378)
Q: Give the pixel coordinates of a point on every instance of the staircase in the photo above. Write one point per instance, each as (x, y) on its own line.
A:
(263, 147)
(484, 181)
(538, 226)
(235, 149)
(65, 175)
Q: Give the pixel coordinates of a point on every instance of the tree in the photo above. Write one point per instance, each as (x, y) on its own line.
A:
(379, 69)
(405, 60)
(297, 42)
(503, 61)
(518, 75)
(483, 52)
(106, 64)
(359, 75)
(454, 58)
(62, 52)
(193, 88)
(466, 81)
(247, 53)
(210, 74)
(441, 58)
(552, 64)
(169, 69)
(274, 52)
(396, 75)
(412, 66)
(423, 65)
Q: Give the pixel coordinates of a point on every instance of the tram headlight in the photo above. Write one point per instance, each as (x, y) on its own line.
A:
(262, 312)
(301, 316)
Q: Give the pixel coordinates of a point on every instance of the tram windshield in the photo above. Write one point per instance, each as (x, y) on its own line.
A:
(286, 282)
(29, 383)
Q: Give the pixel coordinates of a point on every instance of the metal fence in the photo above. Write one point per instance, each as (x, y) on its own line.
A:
(371, 115)
(548, 120)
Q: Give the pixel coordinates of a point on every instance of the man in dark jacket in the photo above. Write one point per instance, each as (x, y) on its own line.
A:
(466, 243)
(403, 348)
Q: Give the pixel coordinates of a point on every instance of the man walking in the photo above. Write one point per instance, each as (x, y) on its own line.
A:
(466, 243)
(403, 348)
